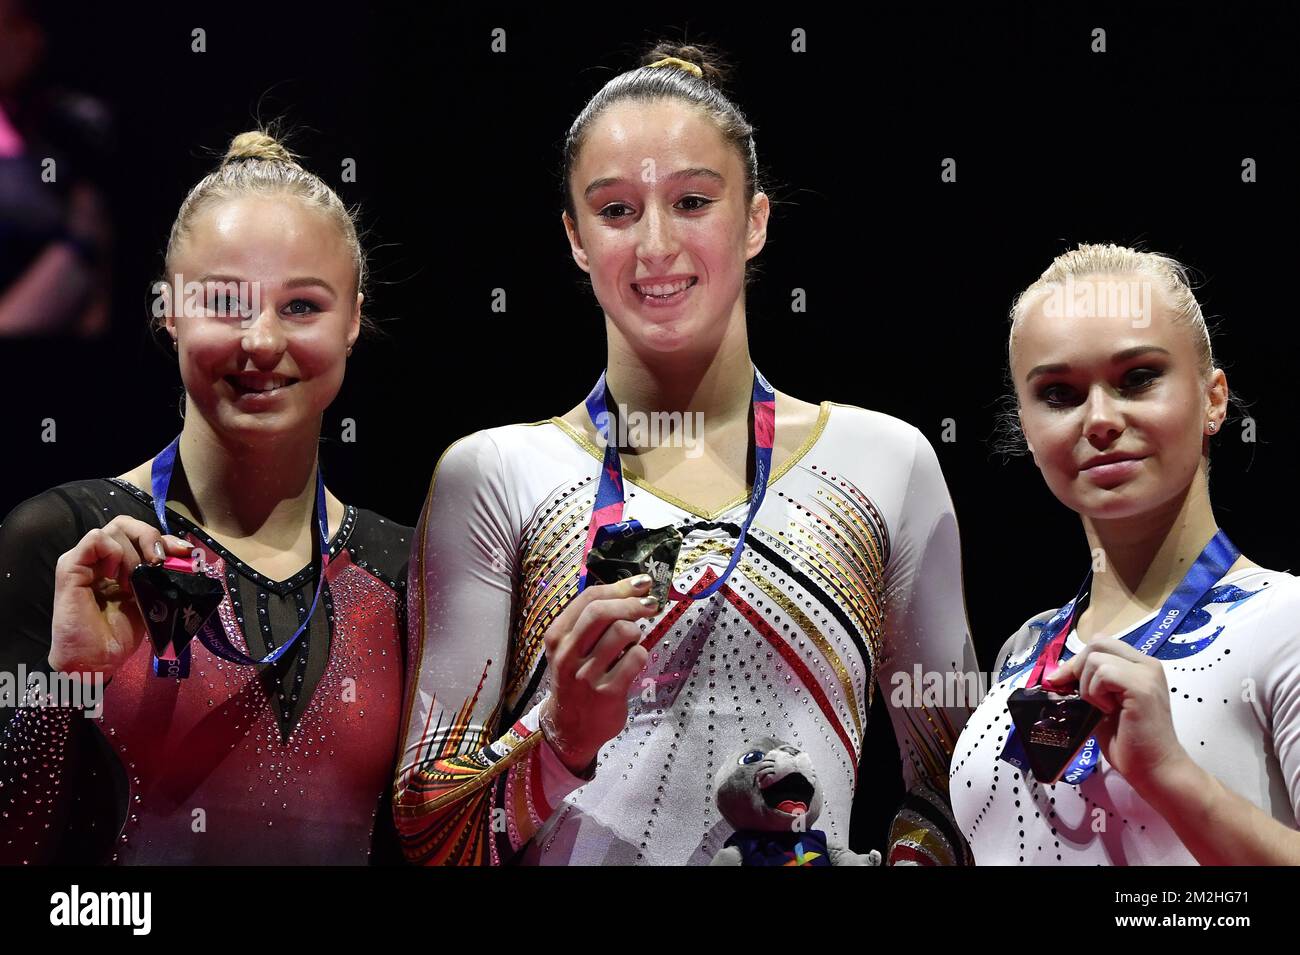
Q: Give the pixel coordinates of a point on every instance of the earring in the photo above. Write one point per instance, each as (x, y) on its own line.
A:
(349, 351)
(176, 346)
(1213, 427)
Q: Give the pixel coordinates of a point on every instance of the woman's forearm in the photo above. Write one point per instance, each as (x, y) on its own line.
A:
(1218, 826)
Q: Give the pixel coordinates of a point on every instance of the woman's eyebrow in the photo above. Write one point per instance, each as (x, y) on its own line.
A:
(692, 172)
(309, 280)
(1119, 356)
(292, 283)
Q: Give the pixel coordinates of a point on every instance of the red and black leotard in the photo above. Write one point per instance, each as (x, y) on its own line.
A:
(289, 763)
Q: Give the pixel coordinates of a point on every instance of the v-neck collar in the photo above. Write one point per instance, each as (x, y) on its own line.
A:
(583, 441)
(337, 541)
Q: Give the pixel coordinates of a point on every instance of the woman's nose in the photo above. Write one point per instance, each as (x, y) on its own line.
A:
(657, 235)
(1103, 422)
(263, 335)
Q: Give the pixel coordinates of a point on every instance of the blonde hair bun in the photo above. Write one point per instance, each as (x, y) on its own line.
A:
(256, 144)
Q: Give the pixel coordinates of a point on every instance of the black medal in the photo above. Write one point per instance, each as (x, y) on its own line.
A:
(175, 603)
(642, 550)
(1052, 731)
(1053, 727)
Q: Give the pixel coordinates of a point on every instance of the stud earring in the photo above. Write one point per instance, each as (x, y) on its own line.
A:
(1213, 427)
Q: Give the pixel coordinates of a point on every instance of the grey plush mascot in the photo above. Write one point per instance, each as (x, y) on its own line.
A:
(768, 791)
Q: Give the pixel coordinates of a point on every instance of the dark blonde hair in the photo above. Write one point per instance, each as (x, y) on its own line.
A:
(646, 83)
(1094, 259)
(1085, 260)
(257, 163)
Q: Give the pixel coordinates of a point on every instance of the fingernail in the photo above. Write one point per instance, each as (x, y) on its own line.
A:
(158, 549)
(641, 580)
(650, 601)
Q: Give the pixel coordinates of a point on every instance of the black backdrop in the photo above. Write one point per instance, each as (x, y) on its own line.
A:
(908, 279)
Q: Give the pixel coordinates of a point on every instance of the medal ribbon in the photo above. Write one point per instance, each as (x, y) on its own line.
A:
(1211, 564)
(214, 637)
(607, 511)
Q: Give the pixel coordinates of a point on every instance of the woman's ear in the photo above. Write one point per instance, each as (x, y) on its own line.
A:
(169, 326)
(1029, 444)
(756, 236)
(1217, 398)
(354, 323)
(575, 242)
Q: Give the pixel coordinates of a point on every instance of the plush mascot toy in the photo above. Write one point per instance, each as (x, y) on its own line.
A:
(768, 792)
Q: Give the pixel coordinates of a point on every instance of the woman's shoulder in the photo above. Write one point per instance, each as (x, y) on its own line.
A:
(37, 530)
(501, 448)
(379, 545)
(876, 426)
(1023, 646)
(489, 465)
(1273, 597)
(377, 525)
(1267, 602)
(74, 505)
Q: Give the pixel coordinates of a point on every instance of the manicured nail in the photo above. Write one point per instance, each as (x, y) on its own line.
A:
(158, 549)
(650, 601)
(641, 580)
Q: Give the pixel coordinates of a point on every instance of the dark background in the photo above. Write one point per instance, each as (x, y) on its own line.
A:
(908, 279)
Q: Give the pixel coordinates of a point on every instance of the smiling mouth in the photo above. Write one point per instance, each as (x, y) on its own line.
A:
(663, 292)
(259, 384)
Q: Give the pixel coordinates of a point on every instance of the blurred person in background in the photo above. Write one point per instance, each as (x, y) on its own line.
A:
(55, 233)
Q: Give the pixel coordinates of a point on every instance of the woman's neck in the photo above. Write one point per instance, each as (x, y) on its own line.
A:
(236, 490)
(713, 381)
(1138, 561)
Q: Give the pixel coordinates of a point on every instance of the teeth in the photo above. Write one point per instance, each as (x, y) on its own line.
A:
(663, 290)
(266, 384)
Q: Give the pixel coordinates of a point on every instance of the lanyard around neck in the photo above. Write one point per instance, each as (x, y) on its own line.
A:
(608, 506)
(1211, 564)
(214, 637)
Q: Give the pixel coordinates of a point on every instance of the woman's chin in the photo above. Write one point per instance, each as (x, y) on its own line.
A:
(668, 337)
(260, 426)
(1116, 503)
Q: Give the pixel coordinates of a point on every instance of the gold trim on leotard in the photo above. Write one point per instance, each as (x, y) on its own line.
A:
(823, 416)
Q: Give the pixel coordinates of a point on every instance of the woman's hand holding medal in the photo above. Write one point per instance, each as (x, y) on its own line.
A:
(96, 625)
(1137, 733)
(594, 653)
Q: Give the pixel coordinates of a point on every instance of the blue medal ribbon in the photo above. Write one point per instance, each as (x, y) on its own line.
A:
(1210, 566)
(214, 636)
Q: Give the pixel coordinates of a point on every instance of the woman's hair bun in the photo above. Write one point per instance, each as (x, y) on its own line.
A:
(257, 145)
(710, 62)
